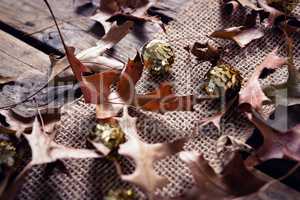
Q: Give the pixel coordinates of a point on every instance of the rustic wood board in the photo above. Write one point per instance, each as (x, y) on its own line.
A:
(33, 18)
(18, 57)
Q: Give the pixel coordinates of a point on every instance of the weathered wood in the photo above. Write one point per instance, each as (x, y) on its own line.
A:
(33, 18)
(18, 57)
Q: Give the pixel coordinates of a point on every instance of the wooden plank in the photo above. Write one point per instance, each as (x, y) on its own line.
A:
(18, 57)
(33, 18)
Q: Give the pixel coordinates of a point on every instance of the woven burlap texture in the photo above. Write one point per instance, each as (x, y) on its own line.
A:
(93, 178)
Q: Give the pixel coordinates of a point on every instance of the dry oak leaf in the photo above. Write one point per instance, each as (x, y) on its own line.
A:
(288, 93)
(99, 85)
(78, 67)
(252, 93)
(45, 150)
(110, 108)
(10, 123)
(234, 181)
(231, 6)
(205, 52)
(216, 118)
(272, 12)
(144, 155)
(276, 144)
(161, 99)
(242, 35)
(114, 35)
(130, 75)
(174, 103)
(230, 143)
(249, 4)
(292, 150)
(125, 12)
(95, 87)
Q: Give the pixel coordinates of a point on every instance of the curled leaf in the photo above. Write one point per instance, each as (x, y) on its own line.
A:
(272, 12)
(231, 6)
(230, 183)
(242, 35)
(205, 52)
(252, 93)
(113, 36)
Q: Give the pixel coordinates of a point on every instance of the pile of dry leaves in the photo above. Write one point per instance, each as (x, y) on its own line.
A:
(103, 81)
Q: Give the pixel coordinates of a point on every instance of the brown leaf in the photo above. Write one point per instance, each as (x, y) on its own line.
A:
(144, 155)
(252, 93)
(248, 4)
(242, 35)
(114, 35)
(98, 85)
(137, 13)
(273, 13)
(275, 144)
(78, 68)
(154, 97)
(292, 150)
(45, 150)
(176, 103)
(231, 6)
(234, 181)
(205, 52)
(117, 5)
(110, 108)
(163, 100)
(287, 93)
(129, 77)
(10, 123)
(216, 118)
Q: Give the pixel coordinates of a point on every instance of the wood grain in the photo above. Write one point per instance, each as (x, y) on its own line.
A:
(33, 18)
(18, 57)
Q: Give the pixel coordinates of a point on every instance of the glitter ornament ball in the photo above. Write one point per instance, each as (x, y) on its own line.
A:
(223, 78)
(158, 57)
(110, 135)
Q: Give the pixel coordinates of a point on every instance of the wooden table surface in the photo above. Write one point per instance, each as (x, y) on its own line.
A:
(30, 31)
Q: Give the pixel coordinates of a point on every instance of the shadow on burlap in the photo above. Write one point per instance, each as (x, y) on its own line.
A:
(91, 179)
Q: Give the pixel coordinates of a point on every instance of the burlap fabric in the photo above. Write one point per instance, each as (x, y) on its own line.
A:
(93, 178)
